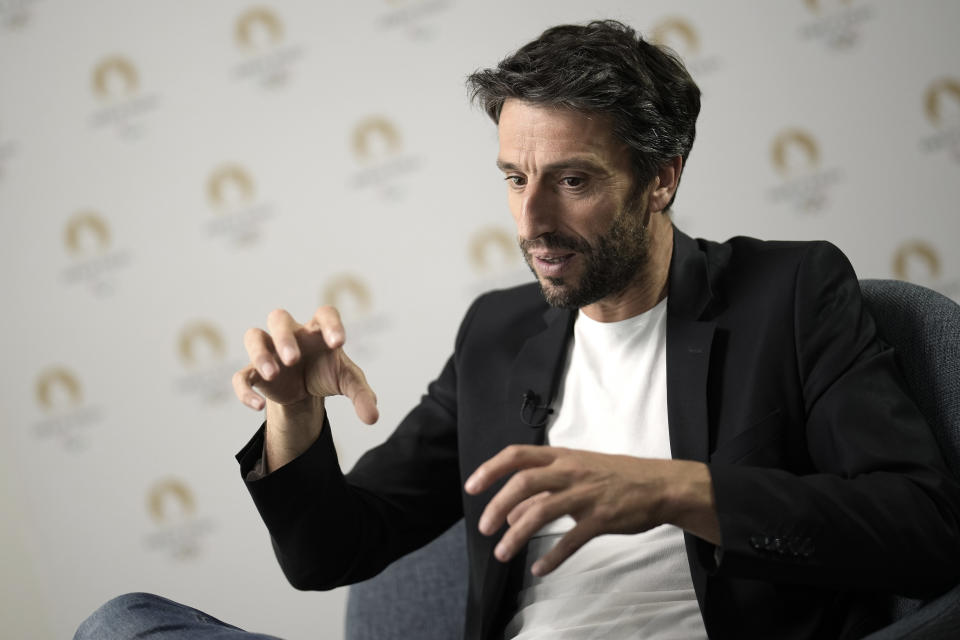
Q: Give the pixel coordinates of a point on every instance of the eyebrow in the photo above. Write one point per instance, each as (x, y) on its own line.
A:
(581, 164)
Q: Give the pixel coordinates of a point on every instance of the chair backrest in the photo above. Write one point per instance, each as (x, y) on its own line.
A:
(923, 327)
(422, 595)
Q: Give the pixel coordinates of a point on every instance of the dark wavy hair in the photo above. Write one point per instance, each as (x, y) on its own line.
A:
(603, 67)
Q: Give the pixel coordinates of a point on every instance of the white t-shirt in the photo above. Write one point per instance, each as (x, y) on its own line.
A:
(612, 399)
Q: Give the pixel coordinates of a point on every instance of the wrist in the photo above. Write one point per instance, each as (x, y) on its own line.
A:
(291, 429)
(691, 501)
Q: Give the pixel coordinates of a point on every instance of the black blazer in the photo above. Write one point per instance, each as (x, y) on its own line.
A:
(828, 483)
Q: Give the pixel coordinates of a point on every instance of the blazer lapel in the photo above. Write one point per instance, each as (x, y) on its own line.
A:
(535, 378)
(689, 340)
(536, 371)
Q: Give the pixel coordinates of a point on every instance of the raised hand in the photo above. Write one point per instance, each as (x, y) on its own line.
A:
(294, 367)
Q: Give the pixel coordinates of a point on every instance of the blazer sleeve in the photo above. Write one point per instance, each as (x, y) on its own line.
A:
(329, 528)
(881, 511)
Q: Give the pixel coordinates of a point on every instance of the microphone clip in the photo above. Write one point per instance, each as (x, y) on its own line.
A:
(532, 413)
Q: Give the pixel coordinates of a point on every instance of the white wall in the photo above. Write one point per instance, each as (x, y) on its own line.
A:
(129, 276)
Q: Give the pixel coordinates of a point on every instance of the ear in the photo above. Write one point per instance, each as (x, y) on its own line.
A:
(665, 184)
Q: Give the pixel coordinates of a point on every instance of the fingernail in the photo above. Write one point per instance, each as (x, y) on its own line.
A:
(471, 485)
(254, 403)
(288, 355)
(501, 552)
(537, 568)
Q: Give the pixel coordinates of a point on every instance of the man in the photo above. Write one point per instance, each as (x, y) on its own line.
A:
(726, 405)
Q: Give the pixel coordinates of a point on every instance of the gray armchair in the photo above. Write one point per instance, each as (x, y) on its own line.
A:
(924, 328)
(423, 595)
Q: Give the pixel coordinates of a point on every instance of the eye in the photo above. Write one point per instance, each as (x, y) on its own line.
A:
(574, 182)
(516, 181)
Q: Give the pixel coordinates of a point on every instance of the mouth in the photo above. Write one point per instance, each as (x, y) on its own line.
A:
(552, 264)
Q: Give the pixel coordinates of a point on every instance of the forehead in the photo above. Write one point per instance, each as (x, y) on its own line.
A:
(527, 129)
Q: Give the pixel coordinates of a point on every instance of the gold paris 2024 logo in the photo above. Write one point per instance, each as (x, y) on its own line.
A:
(257, 26)
(232, 195)
(495, 259)
(835, 23)
(178, 529)
(167, 492)
(202, 351)
(365, 326)
(58, 389)
(67, 417)
(680, 35)
(805, 184)
(200, 342)
(229, 187)
(87, 239)
(919, 262)
(935, 98)
(349, 294)
(378, 147)
(267, 61)
(123, 105)
(490, 241)
(916, 261)
(941, 105)
(86, 233)
(793, 151)
(115, 77)
(374, 137)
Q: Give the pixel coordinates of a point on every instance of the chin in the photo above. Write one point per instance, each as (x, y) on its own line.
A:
(557, 294)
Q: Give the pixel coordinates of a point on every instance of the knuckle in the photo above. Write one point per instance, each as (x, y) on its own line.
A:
(537, 511)
(604, 513)
(522, 481)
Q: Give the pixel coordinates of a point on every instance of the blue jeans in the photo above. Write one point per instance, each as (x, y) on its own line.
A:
(143, 615)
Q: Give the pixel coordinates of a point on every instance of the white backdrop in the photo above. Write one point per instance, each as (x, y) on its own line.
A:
(170, 171)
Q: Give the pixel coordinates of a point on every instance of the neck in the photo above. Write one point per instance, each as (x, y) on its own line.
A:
(649, 286)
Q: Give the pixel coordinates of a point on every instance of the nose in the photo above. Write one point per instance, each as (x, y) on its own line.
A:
(535, 215)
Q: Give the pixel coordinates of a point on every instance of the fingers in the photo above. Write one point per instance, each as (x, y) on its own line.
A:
(522, 486)
(327, 321)
(282, 326)
(243, 382)
(538, 514)
(568, 544)
(354, 385)
(508, 460)
(260, 350)
(290, 361)
(517, 512)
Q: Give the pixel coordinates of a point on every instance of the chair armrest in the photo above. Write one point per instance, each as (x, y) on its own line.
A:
(938, 619)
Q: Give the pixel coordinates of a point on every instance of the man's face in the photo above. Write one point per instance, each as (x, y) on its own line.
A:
(580, 220)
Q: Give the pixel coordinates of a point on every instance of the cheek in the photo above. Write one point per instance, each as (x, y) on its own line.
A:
(594, 218)
(515, 203)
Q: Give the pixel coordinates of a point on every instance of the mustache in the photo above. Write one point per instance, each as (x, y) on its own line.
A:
(555, 241)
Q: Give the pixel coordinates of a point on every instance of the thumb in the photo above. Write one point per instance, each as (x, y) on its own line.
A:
(353, 384)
